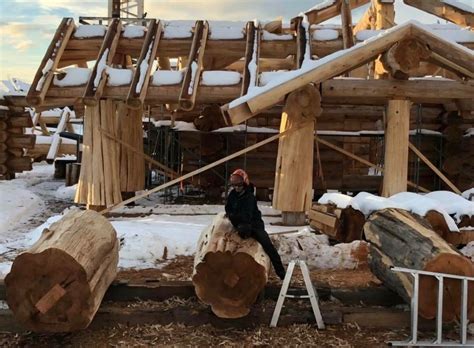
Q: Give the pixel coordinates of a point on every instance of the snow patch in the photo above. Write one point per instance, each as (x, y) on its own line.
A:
(225, 30)
(322, 5)
(339, 199)
(134, 31)
(325, 34)
(47, 67)
(267, 36)
(167, 77)
(469, 194)
(73, 77)
(90, 30)
(178, 29)
(460, 5)
(119, 77)
(101, 65)
(267, 76)
(220, 78)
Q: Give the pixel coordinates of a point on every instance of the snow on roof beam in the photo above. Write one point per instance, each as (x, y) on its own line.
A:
(444, 10)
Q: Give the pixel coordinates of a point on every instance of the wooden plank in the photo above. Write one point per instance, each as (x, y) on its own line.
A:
(396, 147)
(385, 89)
(98, 77)
(353, 58)
(433, 168)
(201, 170)
(323, 218)
(138, 88)
(444, 10)
(250, 73)
(49, 64)
(192, 76)
(56, 142)
(318, 16)
(346, 22)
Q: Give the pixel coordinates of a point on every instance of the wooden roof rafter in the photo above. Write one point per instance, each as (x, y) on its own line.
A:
(141, 77)
(341, 62)
(192, 75)
(98, 77)
(252, 56)
(316, 16)
(444, 10)
(45, 73)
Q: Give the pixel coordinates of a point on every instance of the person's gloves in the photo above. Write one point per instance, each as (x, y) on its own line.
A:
(244, 230)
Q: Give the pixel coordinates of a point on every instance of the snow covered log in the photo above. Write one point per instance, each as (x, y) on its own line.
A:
(401, 239)
(229, 272)
(58, 284)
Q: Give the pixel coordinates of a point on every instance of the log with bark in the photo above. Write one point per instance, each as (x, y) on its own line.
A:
(401, 239)
(58, 284)
(229, 272)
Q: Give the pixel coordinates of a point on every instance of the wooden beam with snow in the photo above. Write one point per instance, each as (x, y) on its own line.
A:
(187, 96)
(339, 63)
(301, 42)
(346, 22)
(443, 10)
(251, 61)
(396, 147)
(433, 168)
(321, 12)
(429, 90)
(49, 64)
(141, 76)
(98, 77)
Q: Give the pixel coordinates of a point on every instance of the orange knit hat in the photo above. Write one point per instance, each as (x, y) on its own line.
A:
(243, 175)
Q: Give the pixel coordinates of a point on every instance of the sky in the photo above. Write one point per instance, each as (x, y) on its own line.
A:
(27, 26)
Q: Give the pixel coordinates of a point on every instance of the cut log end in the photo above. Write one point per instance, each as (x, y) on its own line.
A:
(230, 283)
(450, 264)
(50, 268)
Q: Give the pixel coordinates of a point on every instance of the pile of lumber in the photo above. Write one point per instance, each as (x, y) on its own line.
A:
(13, 141)
(110, 165)
(58, 284)
(343, 225)
(401, 239)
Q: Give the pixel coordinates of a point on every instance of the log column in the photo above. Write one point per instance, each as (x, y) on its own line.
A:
(396, 147)
(99, 181)
(294, 166)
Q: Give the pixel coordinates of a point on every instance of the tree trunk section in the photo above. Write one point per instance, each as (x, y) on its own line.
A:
(401, 239)
(229, 272)
(99, 180)
(396, 147)
(58, 284)
(132, 166)
(294, 166)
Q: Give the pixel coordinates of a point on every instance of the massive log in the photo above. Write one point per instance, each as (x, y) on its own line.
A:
(404, 57)
(229, 272)
(401, 239)
(58, 284)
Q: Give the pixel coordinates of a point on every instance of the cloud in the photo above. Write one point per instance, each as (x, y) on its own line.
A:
(15, 35)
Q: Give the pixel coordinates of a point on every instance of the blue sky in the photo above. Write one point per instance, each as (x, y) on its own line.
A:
(27, 26)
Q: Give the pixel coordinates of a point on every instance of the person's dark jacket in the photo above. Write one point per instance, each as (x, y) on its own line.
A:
(242, 211)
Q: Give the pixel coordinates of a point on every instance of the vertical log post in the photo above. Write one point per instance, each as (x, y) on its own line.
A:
(294, 166)
(396, 147)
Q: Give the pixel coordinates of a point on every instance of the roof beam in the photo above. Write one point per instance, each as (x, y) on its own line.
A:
(445, 11)
(251, 61)
(98, 78)
(354, 57)
(187, 96)
(318, 16)
(346, 22)
(50, 62)
(141, 76)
